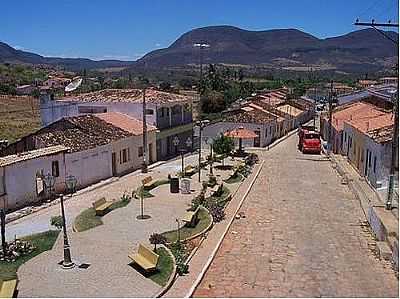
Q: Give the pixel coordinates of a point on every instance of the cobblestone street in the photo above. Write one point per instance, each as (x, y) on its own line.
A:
(302, 237)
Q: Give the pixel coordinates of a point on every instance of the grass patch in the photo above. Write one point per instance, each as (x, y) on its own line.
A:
(146, 191)
(164, 267)
(42, 241)
(87, 219)
(234, 179)
(186, 232)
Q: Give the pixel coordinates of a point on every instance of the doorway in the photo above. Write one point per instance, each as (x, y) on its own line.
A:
(257, 139)
(114, 164)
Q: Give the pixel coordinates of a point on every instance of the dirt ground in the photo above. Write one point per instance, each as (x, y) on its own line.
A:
(19, 116)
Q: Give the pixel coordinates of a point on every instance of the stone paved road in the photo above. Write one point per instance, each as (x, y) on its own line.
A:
(301, 237)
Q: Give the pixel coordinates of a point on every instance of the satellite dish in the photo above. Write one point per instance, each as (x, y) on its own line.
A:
(73, 85)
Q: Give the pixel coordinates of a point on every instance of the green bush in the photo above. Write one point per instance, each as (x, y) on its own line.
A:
(179, 251)
(56, 221)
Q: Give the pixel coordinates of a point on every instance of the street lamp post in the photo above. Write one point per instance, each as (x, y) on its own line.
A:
(210, 142)
(179, 230)
(49, 182)
(67, 262)
(201, 46)
(201, 124)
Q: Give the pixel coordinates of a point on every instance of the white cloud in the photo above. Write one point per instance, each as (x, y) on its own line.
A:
(158, 45)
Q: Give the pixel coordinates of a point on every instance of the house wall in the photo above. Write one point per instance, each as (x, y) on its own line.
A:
(89, 166)
(371, 159)
(20, 180)
(267, 132)
(135, 160)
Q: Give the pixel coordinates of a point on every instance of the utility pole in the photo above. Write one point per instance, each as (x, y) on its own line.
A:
(330, 118)
(395, 137)
(144, 165)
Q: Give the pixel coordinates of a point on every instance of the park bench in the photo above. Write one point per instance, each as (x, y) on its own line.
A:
(8, 288)
(145, 258)
(191, 217)
(148, 182)
(190, 170)
(101, 206)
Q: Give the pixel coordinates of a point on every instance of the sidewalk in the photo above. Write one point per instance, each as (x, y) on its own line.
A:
(384, 223)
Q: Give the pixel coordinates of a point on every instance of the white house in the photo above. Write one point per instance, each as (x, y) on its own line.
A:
(367, 142)
(170, 113)
(21, 175)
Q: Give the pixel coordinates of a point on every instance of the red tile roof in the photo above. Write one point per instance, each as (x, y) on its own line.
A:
(354, 111)
(129, 95)
(125, 122)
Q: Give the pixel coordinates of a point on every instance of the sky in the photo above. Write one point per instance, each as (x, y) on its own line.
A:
(126, 30)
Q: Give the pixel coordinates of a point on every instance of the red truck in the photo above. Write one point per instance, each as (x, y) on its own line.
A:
(309, 140)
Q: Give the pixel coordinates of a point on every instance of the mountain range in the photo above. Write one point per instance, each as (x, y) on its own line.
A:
(291, 49)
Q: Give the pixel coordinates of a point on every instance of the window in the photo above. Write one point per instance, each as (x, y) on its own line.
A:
(369, 159)
(162, 112)
(266, 133)
(149, 111)
(129, 154)
(124, 156)
(120, 157)
(55, 171)
(140, 151)
(374, 164)
(2, 188)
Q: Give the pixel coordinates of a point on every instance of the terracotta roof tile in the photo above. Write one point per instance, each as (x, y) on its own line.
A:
(125, 122)
(129, 95)
(47, 151)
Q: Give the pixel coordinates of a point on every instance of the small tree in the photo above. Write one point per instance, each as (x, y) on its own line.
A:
(223, 145)
(157, 239)
(57, 221)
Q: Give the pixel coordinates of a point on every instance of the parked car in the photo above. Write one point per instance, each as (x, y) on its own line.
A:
(309, 140)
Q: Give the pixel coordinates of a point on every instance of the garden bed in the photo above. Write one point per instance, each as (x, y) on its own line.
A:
(146, 191)
(205, 220)
(41, 241)
(88, 219)
(165, 267)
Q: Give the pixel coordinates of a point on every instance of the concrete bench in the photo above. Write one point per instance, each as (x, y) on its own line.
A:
(101, 206)
(8, 288)
(148, 182)
(146, 258)
(190, 170)
(191, 218)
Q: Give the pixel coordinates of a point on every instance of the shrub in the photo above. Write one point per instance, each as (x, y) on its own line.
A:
(251, 159)
(212, 181)
(198, 200)
(156, 238)
(180, 254)
(56, 221)
(217, 212)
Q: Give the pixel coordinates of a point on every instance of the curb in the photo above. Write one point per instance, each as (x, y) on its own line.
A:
(172, 276)
(208, 263)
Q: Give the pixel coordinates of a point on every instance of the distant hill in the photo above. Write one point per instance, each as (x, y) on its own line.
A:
(279, 48)
(10, 55)
(288, 49)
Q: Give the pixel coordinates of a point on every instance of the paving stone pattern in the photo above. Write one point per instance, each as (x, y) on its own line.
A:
(303, 236)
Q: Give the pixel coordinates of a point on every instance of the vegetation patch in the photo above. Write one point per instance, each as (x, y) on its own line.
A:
(204, 220)
(88, 219)
(146, 191)
(41, 241)
(165, 267)
(236, 178)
